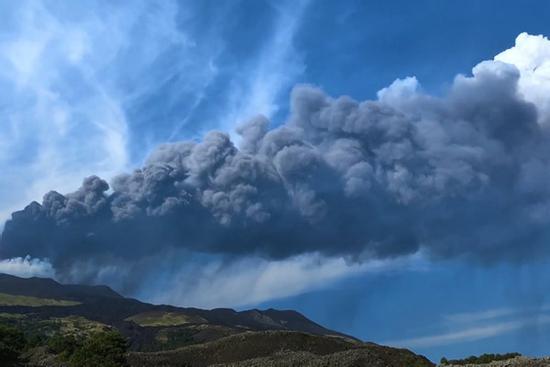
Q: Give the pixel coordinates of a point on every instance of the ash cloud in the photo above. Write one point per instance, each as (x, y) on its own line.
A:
(465, 174)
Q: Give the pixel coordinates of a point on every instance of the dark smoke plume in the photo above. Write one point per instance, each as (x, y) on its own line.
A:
(466, 174)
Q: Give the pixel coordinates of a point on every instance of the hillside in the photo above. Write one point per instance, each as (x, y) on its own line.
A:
(58, 319)
(281, 348)
(514, 362)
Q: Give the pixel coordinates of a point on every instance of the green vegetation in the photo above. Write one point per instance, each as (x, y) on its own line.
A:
(64, 346)
(161, 318)
(77, 325)
(101, 349)
(482, 359)
(14, 300)
(12, 344)
(171, 338)
(11, 316)
(38, 330)
(75, 341)
(107, 349)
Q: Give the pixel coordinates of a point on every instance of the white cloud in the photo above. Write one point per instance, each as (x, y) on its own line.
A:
(531, 55)
(27, 267)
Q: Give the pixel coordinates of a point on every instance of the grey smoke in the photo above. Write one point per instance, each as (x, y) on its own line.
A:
(465, 174)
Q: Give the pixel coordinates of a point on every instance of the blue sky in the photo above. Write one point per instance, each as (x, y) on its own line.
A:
(93, 89)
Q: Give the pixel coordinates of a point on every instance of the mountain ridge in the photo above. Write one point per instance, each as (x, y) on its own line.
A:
(93, 305)
(170, 336)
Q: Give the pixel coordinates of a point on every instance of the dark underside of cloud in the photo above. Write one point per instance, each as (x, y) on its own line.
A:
(461, 175)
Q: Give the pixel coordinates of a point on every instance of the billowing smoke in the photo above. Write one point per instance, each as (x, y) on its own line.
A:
(464, 174)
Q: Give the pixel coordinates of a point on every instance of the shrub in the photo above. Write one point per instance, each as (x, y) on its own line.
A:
(12, 343)
(106, 349)
(63, 345)
(482, 359)
(35, 340)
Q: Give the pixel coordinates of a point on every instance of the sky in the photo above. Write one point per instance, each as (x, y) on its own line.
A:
(411, 212)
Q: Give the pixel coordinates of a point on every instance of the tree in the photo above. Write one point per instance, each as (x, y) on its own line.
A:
(106, 349)
(12, 343)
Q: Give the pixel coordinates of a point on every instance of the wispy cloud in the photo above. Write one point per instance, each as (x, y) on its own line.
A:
(275, 70)
(469, 317)
(190, 279)
(472, 326)
(64, 121)
(254, 280)
(461, 336)
(69, 75)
